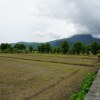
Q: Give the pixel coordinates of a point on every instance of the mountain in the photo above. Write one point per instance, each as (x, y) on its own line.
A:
(84, 38)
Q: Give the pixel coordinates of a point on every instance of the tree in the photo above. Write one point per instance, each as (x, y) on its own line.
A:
(55, 50)
(47, 47)
(58, 50)
(78, 47)
(5, 46)
(87, 49)
(44, 48)
(94, 48)
(83, 48)
(30, 48)
(41, 48)
(20, 46)
(64, 47)
(98, 46)
(73, 50)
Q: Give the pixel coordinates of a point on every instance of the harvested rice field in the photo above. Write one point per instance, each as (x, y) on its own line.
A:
(42, 76)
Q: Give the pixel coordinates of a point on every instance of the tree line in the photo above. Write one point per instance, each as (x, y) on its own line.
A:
(17, 48)
(64, 48)
(77, 48)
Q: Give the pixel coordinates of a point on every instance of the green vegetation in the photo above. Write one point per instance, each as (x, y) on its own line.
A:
(20, 46)
(30, 48)
(5, 46)
(87, 49)
(87, 82)
(55, 50)
(95, 47)
(64, 48)
(44, 48)
(77, 47)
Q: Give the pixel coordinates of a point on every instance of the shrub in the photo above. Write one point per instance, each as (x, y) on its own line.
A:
(87, 82)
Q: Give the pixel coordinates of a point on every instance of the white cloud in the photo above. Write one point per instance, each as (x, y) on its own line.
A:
(45, 20)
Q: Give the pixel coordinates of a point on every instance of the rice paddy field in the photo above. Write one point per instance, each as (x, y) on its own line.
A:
(43, 76)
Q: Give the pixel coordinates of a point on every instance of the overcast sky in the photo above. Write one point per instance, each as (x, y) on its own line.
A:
(45, 20)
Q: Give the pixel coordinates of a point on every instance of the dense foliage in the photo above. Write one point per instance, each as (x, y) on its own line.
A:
(5, 46)
(77, 47)
(30, 48)
(64, 47)
(20, 46)
(94, 48)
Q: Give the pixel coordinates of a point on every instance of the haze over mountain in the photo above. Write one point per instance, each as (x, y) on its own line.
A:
(84, 38)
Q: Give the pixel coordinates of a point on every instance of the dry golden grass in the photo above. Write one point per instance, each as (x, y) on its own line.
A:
(67, 59)
(42, 77)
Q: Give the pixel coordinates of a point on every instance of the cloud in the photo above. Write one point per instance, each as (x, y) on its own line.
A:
(83, 14)
(88, 15)
(45, 20)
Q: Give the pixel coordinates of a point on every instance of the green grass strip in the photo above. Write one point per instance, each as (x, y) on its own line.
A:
(87, 82)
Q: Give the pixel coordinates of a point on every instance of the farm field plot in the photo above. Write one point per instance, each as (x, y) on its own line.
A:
(42, 77)
(65, 59)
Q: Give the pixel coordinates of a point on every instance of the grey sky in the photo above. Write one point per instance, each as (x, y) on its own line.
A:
(45, 20)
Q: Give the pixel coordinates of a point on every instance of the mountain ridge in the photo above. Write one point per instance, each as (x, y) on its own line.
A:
(84, 38)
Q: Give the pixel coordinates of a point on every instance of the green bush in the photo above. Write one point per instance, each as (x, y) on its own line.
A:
(87, 82)
(17, 50)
